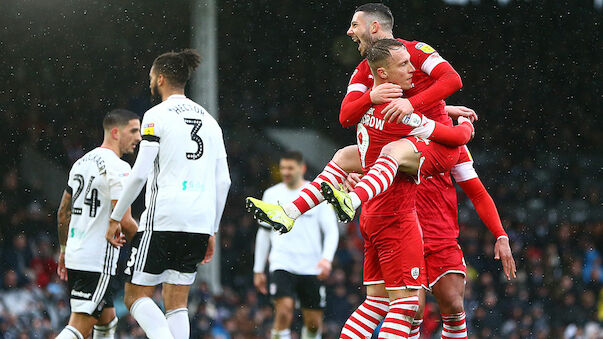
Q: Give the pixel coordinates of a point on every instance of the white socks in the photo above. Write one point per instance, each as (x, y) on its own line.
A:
(284, 334)
(105, 331)
(306, 334)
(150, 317)
(70, 332)
(178, 322)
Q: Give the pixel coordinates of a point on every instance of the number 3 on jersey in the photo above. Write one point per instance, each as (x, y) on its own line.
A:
(196, 123)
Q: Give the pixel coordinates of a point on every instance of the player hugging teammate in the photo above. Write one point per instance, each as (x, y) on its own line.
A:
(381, 91)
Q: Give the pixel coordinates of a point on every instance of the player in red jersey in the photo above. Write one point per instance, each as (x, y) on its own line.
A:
(393, 249)
(436, 200)
(372, 22)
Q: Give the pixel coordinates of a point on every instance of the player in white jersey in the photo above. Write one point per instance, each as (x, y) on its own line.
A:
(87, 260)
(300, 259)
(182, 159)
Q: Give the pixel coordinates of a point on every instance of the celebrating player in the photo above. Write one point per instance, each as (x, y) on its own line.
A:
(436, 201)
(393, 251)
(299, 260)
(87, 261)
(182, 153)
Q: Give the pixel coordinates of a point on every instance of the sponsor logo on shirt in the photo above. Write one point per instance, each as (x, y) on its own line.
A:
(81, 294)
(424, 47)
(149, 129)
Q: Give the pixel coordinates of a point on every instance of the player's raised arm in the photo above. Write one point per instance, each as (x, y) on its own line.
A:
(63, 220)
(445, 79)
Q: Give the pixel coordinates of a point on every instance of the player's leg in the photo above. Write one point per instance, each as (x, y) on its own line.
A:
(398, 155)
(400, 249)
(175, 299)
(90, 292)
(106, 325)
(283, 317)
(142, 273)
(367, 317)
(449, 292)
(403, 307)
(79, 327)
(415, 328)
(282, 292)
(282, 217)
(446, 272)
(312, 324)
(413, 155)
(313, 299)
(138, 300)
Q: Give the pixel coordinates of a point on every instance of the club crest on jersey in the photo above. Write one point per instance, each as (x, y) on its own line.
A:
(149, 129)
(424, 47)
(414, 272)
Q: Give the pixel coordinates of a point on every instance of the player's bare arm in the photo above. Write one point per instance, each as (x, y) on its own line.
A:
(502, 252)
(63, 220)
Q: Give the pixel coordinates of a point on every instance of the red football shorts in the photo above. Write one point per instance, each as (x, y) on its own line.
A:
(393, 251)
(436, 158)
(443, 257)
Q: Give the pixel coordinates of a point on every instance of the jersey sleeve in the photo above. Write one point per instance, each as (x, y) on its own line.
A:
(151, 128)
(221, 147)
(116, 178)
(446, 79)
(357, 99)
(424, 57)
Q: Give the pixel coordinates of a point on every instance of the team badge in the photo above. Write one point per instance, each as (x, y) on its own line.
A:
(414, 272)
(424, 47)
(149, 129)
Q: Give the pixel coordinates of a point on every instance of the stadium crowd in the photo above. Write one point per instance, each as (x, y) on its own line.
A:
(534, 152)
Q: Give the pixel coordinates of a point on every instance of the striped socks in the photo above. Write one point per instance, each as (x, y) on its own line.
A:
(378, 179)
(399, 319)
(454, 326)
(310, 195)
(363, 322)
(415, 329)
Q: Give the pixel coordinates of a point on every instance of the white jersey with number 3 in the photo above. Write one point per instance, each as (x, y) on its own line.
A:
(181, 190)
(95, 180)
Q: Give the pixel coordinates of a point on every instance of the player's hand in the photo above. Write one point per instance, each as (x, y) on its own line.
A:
(397, 109)
(351, 181)
(385, 93)
(461, 111)
(61, 270)
(211, 246)
(462, 119)
(325, 268)
(502, 252)
(114, 235)
(259, 281)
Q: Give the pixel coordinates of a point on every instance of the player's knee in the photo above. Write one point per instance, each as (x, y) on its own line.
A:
(456, 305)
(313, 325)
(284, 312)
(420, 311)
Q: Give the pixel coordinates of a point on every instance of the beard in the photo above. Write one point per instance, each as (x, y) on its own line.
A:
(155, 96)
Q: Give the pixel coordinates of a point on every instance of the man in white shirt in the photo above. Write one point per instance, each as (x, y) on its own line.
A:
(182, 155)
(87, 260)
(300, 259)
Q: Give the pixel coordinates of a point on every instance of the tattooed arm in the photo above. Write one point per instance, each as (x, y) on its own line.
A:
(63, 219)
